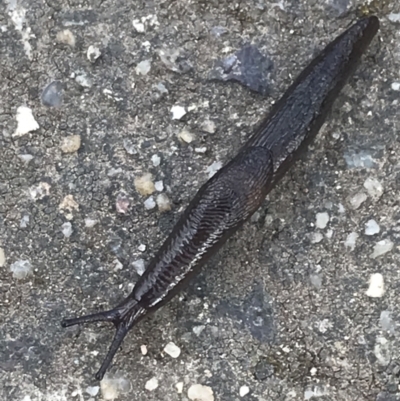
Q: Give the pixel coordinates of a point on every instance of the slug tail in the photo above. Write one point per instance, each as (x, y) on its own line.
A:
(124, 317)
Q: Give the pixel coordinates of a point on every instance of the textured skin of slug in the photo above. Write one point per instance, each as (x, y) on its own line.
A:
(232, 195)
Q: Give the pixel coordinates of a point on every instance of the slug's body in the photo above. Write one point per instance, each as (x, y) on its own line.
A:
(232, 195)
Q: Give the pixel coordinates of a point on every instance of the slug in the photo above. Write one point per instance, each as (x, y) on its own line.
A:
(236, 191)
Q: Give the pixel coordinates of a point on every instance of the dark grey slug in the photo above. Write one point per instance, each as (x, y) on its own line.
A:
(236, 191)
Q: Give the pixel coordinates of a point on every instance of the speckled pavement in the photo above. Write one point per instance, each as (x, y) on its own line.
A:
(301, 304)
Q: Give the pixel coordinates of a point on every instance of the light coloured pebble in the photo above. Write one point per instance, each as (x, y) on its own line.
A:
(143, 349)
(316, 238)
(144, 184)
(386, 321)
(25, 121)
(139, 26)
(24, 221)
(142, 247)
(383, 350)
(66, 37)
(371, 227)
(394, 17)
(40, 191)
(71, 144)
(161, 87)
(139, 266)
(66, 229)
(159, 186)
(92, 391)
(93, 53)
(117, 265)
(376, 287)
(316, 280)
(163, 203)
(382, 247)
(374, 188)
(357, 200)
(2, 257)
(322, 220)
(198, 329)
(89, 222)
(156, 160)
(208, 126)
(149, 203)
(203, 149)
(177, 112)
(129, 146)
(213, 168)
(143, 68)
(26, 158)
(111, 386)
(395, 86)
(186, 136)
(122, 203)
(351, 240)
(21, 269)
(68, 203)
(151, 384)
(179, 387)
(244, 390)
(82, 79)
(172, 350)
(198, 392)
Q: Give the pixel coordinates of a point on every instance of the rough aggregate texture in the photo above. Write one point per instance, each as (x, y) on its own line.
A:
(274, 310)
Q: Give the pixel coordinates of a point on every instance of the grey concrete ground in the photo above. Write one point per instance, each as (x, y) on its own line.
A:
(293, 307)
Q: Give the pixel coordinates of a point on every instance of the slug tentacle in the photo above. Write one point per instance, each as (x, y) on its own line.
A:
(235, 192)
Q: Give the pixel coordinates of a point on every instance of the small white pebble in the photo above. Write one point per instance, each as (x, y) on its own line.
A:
(122, 203)
(93, 53)
(382, 247)
(159, 186)
(93, 391)
(139, 26)
(396, 86)
(24, 221)
(71, 144)
(179, 387)
(2, 257)
(374, 188)
(351, 240)
(186, 136)
(66, 229)
(82, 79)
(177, 112)
(151, 384)
(213, 168)
(198, 392)
(25, 121)
(21, 269)
(117, 265)
(208, 126)
(163, 203)
(143, 349)
(357, 200)
(371, 227)
(142, 247)
(394, 17)
(313, 371)
(376, 287)
(143, 67)
(144, 184)
(172, 350)
(111, 386)
(66, 37)
(322, 220)
(200, 150)
(90, 223)
(26, 158)
(316, 238)
(244, 390)
(149, 203)
(156, 160)
(139, 266)
(198, 329)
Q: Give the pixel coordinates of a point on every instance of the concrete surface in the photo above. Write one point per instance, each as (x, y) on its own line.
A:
(286, 308)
